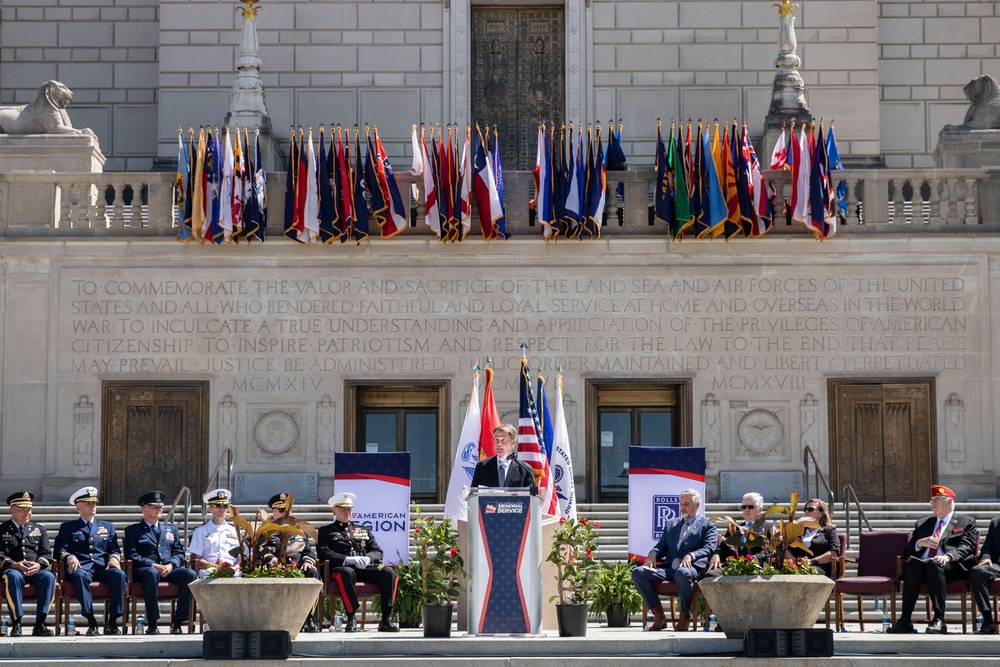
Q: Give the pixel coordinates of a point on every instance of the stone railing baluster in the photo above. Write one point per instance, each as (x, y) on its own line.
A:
(118, 214)
(65, 205)
(934, 216)
(971, 194)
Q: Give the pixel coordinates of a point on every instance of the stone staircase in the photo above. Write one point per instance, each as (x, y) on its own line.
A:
(613, 536)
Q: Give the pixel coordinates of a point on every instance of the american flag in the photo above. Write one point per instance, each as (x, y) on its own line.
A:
(528, 449)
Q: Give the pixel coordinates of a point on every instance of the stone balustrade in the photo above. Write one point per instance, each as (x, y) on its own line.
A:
(141, 203)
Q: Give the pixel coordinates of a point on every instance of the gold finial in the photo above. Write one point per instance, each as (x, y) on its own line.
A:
(786, 8)
(249, 12)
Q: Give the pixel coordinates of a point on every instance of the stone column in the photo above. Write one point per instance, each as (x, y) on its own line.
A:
(788, 94)
(246, 102)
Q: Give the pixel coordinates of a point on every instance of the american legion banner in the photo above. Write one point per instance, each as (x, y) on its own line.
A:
(656, 476)
(381, 482)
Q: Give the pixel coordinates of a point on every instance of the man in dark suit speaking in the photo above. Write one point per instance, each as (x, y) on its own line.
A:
(503, 470)
(681, 554)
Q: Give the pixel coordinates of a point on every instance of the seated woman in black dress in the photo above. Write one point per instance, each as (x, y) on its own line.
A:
(823, 541)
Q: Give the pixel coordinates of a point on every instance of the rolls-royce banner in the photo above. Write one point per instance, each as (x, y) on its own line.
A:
(381, 482)
(656, 477)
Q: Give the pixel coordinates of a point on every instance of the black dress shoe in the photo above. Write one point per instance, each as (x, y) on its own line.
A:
(175, 629)
(352, 624)
(901, 628)
(15, 629)
(386, 625)
(40, 630)
(989, 628)
(112, 629)
(151, 629)
(92, 631)
(937, 627)
(310, 625)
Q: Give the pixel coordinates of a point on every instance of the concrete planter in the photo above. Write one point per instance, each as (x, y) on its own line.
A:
(775, 601)
(256, 604)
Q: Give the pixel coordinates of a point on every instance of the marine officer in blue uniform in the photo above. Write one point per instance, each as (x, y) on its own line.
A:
(157, 553)
(26, 559)
(88, 549)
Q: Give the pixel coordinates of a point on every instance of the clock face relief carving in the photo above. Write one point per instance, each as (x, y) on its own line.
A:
(760, 431)
(276, 433)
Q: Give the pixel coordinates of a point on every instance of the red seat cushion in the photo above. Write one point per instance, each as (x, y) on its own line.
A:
(97, 589)
(865, 585)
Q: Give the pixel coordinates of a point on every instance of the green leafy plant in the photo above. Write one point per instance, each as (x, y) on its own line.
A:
(254, 560)
(773, 542)
(573, 547)
(438, 561)
(612, 583)
(409, 596)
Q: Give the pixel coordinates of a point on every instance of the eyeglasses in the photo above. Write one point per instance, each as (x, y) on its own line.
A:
(812, 509)
(747, 507)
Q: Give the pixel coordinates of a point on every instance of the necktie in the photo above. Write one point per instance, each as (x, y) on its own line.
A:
(937, 534)
(503, 474)
(684, 530)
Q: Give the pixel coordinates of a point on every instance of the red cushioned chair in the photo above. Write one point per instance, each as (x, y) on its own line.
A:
(98, 591)
(877, 571)
(364, 591)
(30, 592)
(958, 587)
(165, 591)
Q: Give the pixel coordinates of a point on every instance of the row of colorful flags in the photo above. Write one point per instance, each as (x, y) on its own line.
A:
(542, 443)
(570, 183)
(220, 191)
(708, 184)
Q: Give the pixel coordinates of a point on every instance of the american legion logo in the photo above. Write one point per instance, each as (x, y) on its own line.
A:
(665, 508)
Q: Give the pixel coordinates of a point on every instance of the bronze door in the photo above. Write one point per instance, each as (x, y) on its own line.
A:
(154, 435)
(518, 77)
(883, 437)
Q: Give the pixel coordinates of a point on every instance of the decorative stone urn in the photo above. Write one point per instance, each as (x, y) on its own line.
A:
(772, 601)
(256, 604)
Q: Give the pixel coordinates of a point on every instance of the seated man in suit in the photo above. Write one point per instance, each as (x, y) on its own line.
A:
(355, 556)
(751, 508)
(941, 549)
(157, 552)
(503, 470)
(681, 553)
(88, 548)
(983, 573)
(26, 559)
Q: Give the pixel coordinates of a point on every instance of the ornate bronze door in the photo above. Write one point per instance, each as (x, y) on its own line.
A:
(518, 78)
(154, 435)
(883, 439)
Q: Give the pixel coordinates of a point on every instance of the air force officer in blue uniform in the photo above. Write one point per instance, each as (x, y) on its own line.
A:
(156, 552)
(88, 547)
(681, 554)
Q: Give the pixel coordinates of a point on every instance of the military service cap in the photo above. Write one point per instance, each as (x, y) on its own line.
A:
(153, 498)
(21, 499)
(277, 501)
(87, 494)
(218, 497)
(343, 500)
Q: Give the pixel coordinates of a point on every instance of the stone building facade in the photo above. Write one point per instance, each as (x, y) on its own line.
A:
(129, 358)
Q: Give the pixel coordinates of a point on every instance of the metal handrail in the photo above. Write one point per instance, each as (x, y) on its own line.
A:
(848, 495)
(807, 455)
(185, 493)
(227, 456)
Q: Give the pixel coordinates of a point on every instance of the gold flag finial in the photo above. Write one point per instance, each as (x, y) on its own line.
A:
(786, 8)
(249, 11)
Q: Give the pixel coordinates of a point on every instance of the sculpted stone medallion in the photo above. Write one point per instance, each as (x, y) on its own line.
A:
(276, 432)
(760, 431)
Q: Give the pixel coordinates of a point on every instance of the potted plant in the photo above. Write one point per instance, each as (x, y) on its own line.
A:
(223, 596)
(439, 565)
(409, 596)
(613, 594)
(573, 546)
(795, 592)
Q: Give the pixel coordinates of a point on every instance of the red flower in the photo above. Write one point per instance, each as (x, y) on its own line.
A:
(590, 553)
(417, 529)
(454, 551)
(583, 521)
(597, 525)
(562, 520)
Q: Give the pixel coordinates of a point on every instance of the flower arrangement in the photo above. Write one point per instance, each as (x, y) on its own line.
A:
(773, 543)
(438, 562)
(573, 547)
(254, 554)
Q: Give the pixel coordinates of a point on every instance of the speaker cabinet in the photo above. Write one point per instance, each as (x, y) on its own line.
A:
(807, 643)
(811, 643)
(265, 645)
(766, 643)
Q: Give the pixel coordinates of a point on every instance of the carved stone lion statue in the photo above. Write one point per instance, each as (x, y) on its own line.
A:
(46, 115)
(984, 112)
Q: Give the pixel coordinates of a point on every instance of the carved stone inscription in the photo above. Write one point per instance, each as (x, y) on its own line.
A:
(736, 332)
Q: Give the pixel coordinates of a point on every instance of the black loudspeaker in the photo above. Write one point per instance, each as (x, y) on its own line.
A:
(265, 645)
(766, 643)
(811, 643)
(270, 645)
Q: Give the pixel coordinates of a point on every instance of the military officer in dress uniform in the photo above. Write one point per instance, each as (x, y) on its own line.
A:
(214, 540)
(26, 559)
(156, 552)
(300, 550)
(354, 556)
(88, 549)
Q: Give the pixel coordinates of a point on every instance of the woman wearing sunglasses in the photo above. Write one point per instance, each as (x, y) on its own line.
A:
(822, 542)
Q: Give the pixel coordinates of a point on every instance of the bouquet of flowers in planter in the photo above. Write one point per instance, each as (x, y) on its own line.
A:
(773, 542)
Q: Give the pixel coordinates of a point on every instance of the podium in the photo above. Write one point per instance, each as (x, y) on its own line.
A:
(504, 562)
